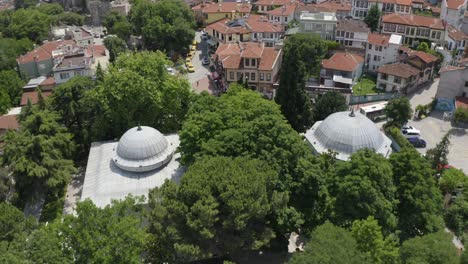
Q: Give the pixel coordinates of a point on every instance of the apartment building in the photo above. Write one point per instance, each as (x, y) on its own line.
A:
(381, 49)
(342, 70)
(322, 24)
(453, 82)
(282, 15)
(360, 8)
(352, 33)
(263, 6)
(453, 11)
(414, 28)
(456, 41)
(250, 61)
(397, 77)
(255, 28)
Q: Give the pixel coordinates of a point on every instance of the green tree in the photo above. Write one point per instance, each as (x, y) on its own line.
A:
(301, 53)
(420, 204)
(29, 23)
(25, 3)
(373, 18)
(436, 248)
(69, 18)
(138, 89)
(13, 222)
(330, 244)
(329, 103)
(456, 216)
(165, 25)
(241, 123)
(5, 184)
(10, 49)
(118, 24)
(453, 179)
(364, 187)
(12, 84)
(39, 154)
(423, 46)
(398, 110)
(464, 256)
(5, 102)
(116, 46)
(99, 73)
(437, 156)
(70, 101)
(371, 242)
(223, 206)
(50, 9)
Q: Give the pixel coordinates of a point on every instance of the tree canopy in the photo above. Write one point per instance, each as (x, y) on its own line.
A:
(398, 110)
(116, 46)
(10, 49)
(373, 18)
(302, 55)
(330, 244)
(433, 248)
(28, 23)
(223, 206)
(11, 88)
(329, 103)
(437, 156)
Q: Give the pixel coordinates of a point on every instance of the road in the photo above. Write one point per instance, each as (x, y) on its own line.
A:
(201, 71)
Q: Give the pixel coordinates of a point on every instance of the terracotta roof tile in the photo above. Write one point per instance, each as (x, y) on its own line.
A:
(254, 23)
(352, 25)
(461, 102)
(225, 7)
(286, 10)
(334, 6)
(222, 26)
(378, 39)
(258, 23)
(455, 4)
(231, 55)
(455, 34)
(274, 2)
(8, 122)
(426, 57)
(99, 50)
(414, 20)
(343, 61)
(43, 52)
(33, 97)
(269, 57)
(48, 81)
(398, 69)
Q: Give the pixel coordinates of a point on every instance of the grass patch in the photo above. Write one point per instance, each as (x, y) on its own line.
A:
(367, 85)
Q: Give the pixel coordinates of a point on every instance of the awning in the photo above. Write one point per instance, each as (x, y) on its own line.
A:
(341, 79)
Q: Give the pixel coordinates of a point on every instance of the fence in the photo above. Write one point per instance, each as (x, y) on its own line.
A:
(368, 98)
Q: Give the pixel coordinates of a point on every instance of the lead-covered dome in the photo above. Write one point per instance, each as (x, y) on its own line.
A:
(346, 133)
(141, 149)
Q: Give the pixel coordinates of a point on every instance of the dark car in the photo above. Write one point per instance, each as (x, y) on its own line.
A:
(417, 142)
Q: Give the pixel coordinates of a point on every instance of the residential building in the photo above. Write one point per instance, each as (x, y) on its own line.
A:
(456, 41)
(453, 82)
(343, 69)
(323, 24)
(263, 6)
(212, 12)
(352, 33)
(414, 28)
(40, 61)
(122, 7)
(397, 77)
(71, 66)
(360, 8)
(453, 11)
(342, 9)
(417, 5)
(422, 61)
(282, 15)
(253, 28)
(258, 64)
(8, 121)
(381, 49)
(83, 37)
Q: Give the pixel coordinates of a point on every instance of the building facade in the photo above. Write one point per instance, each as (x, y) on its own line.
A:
(212, 12)
(360, 8)
(322, 24)
(341, 70)
(397, 77)
(381, 49)
(456, 42)
(453, 82)
(453, 11)
(352, 33)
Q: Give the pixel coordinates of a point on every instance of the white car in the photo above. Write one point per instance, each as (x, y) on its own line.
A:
(170, 71)
(205, 61)
(407, 127)
(410, 132)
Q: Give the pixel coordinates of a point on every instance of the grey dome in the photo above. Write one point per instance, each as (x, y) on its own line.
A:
(142, 149)
(346, 134)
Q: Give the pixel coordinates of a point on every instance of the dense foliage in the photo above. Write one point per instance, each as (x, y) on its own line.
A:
(115, 46)
(223, 206)
(373, 18)
(329, 103)
(432, 248)
(398, 111)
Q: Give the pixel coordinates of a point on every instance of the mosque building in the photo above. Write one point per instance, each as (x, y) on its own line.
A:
(142, 159)
(345, 133)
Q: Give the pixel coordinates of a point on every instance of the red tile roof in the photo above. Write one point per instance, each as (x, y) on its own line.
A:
(222, 27)
(343, 62)
(43, 52)
(258, 23)
(378, 39)
(461, 102)
(426, 57)
(414, 20)
(8, 122)
(33, 97)
(225, 7)
(398, 69)
(48, 81)
(274, 2)
(99, 50)
(231, 54)
(455, 34)
(334, 6)
(286, 10)
(455, 4)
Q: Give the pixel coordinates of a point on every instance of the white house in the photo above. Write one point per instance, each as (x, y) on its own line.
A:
(360, 8)
(282, 15)
(342, 70)
(352, 33)
(453, 11)
(456, 41)
(322, 24)
(453, 82)
(381, 49)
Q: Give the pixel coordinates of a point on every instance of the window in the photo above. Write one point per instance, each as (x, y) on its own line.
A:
(466, 84)
(64, 75)
(253, 62)
(231, 75)
(383, 76)
(261, 77)
(247, 62)
(396, 79)
(370, 46)
(375, 57)
(230, 38)
(268, 76)
(380, 48)
(239, 75)
(389, 27)
(252, 76)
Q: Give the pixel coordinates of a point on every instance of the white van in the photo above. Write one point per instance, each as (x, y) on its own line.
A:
(410, 133)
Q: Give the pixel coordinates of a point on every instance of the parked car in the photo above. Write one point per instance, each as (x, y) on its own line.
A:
(408, 127)
(188, 59)
(410, 132)
(205, 61)
(193, 47)
(190, 68)
(417, 142)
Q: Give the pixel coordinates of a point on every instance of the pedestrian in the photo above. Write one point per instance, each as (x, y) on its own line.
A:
(197, 83)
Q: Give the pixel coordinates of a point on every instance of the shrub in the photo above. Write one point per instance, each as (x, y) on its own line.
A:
(461, 115)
